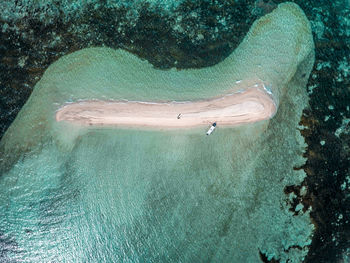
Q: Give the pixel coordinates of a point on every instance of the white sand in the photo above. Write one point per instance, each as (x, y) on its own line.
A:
(252, 105)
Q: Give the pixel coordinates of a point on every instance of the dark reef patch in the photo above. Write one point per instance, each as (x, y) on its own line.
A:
(328, 155)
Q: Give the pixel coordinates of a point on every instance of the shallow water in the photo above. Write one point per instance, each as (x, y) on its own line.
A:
(109, 195)
(124, 196)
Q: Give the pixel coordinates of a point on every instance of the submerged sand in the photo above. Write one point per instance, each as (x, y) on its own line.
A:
(251, 105)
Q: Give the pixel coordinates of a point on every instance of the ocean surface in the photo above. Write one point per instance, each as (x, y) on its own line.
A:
(274, 191)
(130, 196)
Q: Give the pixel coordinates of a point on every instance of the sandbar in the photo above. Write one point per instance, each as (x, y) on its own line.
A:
(248, 106)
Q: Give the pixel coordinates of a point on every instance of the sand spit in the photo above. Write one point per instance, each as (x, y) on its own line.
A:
(251, 105)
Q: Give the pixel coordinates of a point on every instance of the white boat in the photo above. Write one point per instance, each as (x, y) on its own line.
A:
(212, 128)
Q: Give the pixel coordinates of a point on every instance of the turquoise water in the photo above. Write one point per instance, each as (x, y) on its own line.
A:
(50, 212)
(124, 196)
(116, 195)
(142, 196)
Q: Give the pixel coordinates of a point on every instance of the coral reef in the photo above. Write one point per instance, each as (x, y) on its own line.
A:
(33, 36)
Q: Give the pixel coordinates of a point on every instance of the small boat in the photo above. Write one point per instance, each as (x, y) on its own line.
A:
(212, 128)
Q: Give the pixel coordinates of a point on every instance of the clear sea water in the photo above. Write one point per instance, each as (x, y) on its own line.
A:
(178, 196)
(123, 196)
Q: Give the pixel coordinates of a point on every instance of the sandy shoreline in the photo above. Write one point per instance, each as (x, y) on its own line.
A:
(252, 105)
